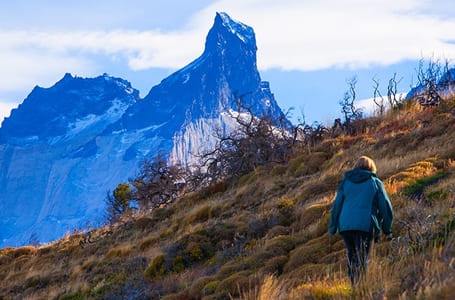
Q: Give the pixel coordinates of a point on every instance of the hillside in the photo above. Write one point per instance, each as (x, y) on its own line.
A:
(265, 236)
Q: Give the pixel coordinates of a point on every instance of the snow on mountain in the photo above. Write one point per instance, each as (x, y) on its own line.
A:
(65, 146)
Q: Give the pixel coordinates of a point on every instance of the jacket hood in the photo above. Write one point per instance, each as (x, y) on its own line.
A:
(359, 175)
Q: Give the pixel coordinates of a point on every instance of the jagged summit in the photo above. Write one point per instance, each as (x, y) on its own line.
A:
(48, 112)
(227, 69)
(228, 38)
(243, 32)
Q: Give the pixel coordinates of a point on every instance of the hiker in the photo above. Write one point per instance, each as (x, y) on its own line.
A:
(360, 211)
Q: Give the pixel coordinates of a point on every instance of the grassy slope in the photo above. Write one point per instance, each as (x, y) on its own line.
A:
(265, 237)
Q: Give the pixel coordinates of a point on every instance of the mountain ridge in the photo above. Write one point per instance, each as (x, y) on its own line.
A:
(55, 173)
(55, 107)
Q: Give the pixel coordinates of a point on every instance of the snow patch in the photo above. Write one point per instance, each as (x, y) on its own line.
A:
(117, 109)
(119, 131)
(186, 77)
(243, 32)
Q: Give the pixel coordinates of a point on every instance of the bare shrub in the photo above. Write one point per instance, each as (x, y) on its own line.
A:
(433, 82)
(157, 183)
(256, 141)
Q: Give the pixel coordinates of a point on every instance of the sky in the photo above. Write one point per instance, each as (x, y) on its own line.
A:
(307, 49)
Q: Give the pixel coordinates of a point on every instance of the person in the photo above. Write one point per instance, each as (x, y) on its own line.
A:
(360, 211)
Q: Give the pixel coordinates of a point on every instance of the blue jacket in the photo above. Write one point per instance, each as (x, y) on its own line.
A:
(361, 204)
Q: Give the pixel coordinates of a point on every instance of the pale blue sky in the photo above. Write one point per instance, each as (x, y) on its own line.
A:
(307, 49)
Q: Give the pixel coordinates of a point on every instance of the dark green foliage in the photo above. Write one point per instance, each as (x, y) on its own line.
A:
(144, 224)
(257, 260)
(309, 253)
(417, 188)
(118, 203)
(286, 209)
(437, 195)
(198, 290)
(278, 170)
(275, 265)
(178, 264)
(147, 244)
(280, 245)
(230, 268)
(278, 230)
(157, 268)
(312, 214)
(77, 295)
(211, 287)
(189, 250)
(37, 282)
(234, 285)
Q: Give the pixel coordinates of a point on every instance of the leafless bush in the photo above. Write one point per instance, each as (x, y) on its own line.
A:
(308, 136)
(392, 92)
(350, 112)
(394, 99)
(378, 99)
(256, 141)
(418, 228)
(157, 183)
(433, 80)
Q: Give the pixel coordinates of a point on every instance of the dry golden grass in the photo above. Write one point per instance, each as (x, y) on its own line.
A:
(265, 236)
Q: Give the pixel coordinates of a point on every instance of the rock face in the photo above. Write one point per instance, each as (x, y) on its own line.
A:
(65, 146)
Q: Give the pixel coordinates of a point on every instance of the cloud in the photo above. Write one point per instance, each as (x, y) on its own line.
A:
(369, 107)
(299, 35)
(291, 35)
(310, 35)
(5, 108)
(25, 69)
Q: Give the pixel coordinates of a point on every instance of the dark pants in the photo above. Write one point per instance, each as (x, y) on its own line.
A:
(358, 244)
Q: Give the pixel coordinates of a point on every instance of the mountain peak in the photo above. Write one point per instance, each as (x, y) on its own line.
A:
(67, 76)
(242, 31)
(47, 112)
(226, 33)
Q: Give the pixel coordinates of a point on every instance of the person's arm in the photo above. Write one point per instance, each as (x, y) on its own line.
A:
(385, 209)
(336, 209)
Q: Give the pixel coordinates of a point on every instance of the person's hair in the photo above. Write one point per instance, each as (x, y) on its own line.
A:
(365, 163)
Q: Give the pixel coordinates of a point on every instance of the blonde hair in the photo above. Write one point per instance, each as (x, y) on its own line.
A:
(365, 163)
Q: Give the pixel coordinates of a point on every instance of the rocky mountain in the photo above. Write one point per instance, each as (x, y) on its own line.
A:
(65, 146)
